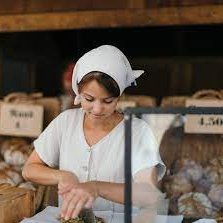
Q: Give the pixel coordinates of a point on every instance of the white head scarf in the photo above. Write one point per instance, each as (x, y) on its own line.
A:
(109, 60)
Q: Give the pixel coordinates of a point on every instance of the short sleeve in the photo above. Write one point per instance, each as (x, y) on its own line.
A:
(47, 145)
(145, 150)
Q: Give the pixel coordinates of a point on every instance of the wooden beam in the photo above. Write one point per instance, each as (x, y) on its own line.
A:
(190, 15)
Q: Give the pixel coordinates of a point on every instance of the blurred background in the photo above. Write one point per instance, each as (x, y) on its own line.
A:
(178, 43)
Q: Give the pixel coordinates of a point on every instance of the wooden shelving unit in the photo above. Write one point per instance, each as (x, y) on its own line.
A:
(164, 16)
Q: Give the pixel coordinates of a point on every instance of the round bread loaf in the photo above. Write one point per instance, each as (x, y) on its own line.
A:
(214, 170)
(17, 155)
(5, 179)
(176, 185)
(27, 185)
(11, 143)
(15, 176)
(195, 205)
(216, 195)
(189, 168)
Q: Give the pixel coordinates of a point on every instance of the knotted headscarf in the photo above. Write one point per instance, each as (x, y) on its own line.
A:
(109, 60)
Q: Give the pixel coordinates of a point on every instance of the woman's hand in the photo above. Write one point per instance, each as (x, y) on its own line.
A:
(66, 181)
(81, 196)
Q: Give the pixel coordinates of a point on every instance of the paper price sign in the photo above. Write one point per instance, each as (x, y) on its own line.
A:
(211, 124)
(21, 119)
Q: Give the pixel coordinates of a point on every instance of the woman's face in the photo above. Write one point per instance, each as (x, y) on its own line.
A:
(96, 101)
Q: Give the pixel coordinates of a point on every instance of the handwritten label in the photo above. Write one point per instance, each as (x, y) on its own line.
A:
(212, 124)
(21, 119)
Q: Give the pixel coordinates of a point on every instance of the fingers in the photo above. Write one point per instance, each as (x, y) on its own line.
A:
(73, 203)
(74, 200)
(63, 190)
(66, 181)
(89, 203)
(78, 207)
(66, 201)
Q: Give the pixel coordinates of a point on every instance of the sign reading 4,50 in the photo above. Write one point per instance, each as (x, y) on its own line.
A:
(211, 121)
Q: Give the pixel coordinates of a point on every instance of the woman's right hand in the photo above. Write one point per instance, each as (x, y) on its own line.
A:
(66, 181)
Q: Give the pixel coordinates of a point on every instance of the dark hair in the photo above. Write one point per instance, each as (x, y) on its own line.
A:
(103, 79)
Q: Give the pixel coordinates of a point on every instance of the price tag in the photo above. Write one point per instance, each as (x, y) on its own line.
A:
(21, 119)
(211, 124)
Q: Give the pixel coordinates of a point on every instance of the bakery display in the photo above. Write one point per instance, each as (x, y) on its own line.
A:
(195, 190)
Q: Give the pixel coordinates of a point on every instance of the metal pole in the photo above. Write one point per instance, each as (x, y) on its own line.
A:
(128, 168)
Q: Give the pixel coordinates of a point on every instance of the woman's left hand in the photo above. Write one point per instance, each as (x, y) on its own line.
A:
(81, 196)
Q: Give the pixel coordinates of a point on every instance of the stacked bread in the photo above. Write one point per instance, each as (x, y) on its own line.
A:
(14, 152)
(194, 190)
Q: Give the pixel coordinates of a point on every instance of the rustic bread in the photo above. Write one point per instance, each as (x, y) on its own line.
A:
(27, 185)
(194, 204)
(203, 185)
(15, 176)
(216, 195)
(11, 143)
(189, 168)
(176, 185)
(214, 170)
(15, 151)
(4, 165)
(5, 179)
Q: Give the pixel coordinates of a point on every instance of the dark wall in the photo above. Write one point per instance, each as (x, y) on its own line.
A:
(177, 60)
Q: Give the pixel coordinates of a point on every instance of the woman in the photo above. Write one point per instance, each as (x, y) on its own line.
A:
(87, 144)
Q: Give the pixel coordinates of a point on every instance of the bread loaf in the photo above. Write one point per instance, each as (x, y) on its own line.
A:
(176, 185)
(194, 204)
(17, 155)
(15, 176)
(27, 185)
(11, 143)
(189, 168)
(5, 179)
(214, 170)
(216, 195)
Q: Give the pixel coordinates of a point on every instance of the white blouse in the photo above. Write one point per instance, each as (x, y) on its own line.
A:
(62, 144)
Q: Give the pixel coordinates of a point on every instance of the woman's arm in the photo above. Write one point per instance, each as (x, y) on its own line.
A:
(83, 195)
(143, 185)
(37, 171)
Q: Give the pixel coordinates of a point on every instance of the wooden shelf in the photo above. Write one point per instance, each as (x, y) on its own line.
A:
(166, 16)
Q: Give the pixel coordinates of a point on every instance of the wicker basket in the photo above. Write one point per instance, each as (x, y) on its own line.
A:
(208, 94)
(140, 100)
(176, 145)
(199, 147)
(174, 101)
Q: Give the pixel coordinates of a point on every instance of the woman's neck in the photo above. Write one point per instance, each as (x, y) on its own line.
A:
(105, 124)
